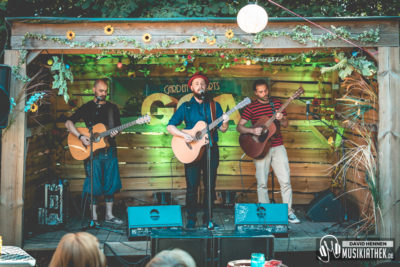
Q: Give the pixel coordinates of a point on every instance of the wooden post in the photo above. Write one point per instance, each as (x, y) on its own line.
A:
(389, 143)
(13, 161)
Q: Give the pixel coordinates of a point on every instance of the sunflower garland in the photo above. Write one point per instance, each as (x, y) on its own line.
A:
(108, 29)
(34, 107)
(70, 35)
(146, 37)
(229, 34)
(193, 39)
(211, 40)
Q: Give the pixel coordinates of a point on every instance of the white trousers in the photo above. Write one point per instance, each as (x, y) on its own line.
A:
(278, 159)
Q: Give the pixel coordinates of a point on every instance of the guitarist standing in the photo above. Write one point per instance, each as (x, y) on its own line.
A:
(277, 155)
(192, 112)
(106, 178)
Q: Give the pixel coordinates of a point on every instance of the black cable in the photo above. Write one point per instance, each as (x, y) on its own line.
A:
(122, 260)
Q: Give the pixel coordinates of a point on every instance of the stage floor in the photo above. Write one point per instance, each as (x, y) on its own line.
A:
(301, 237)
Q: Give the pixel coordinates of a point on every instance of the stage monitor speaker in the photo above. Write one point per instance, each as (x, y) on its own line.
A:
(197, 243)
(271, 218)
(229, 247)
(142, 219)
(325, 208)
(5, 77)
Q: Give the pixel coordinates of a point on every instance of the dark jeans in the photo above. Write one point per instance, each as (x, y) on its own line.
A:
(106, 178)
(192, 173)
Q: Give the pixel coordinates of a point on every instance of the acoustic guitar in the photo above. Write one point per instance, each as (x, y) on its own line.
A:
(258, 146)
(191, 152)
(80, 152)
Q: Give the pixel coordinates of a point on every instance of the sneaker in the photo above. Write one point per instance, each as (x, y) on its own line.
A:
(114, 220)
(190, 224)
(292, 218)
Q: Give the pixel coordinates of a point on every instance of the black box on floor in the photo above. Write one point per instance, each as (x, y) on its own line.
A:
(197, 243)
(325, 208)
(230, 246)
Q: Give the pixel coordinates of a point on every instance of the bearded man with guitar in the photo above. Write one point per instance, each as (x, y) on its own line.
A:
(106, 177)
(191, 113)
(274, 152)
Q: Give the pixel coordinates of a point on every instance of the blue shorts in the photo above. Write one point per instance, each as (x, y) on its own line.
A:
(106, 178)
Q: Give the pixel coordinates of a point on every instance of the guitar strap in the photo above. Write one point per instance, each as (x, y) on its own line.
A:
(213, 114)
(110, 117)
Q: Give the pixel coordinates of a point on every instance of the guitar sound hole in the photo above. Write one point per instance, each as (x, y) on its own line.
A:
(197, 136)
(262, 137)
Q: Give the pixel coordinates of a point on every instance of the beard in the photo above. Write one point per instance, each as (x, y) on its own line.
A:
(265, 98)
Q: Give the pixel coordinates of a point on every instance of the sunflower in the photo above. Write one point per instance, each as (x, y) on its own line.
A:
(146, 37)
(70, 35)
(34, 107)
(193, 39)
(229, 34)
(108, 29)
(211, 40)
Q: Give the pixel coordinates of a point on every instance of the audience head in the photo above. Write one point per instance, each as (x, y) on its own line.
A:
(78, 250)
(172, 258)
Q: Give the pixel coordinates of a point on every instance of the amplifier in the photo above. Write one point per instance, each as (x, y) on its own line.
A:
(142, 219)
(270, 218)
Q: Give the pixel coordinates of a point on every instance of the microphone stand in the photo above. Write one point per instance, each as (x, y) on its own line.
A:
(210, 223)
(318, 117)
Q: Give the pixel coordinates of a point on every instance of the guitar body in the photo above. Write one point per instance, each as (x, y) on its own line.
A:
(81, 152)
(258, 146)
(189, 152)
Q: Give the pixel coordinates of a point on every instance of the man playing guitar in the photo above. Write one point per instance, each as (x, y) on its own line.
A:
(192, 112)
(106, 178)
(277, 155)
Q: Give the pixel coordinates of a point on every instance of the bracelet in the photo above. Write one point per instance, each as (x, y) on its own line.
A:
(79, 137)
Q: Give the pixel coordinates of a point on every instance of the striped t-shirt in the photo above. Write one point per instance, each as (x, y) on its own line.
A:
(255, 110)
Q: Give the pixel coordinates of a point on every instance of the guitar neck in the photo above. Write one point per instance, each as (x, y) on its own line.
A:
(268, 123)
(217, 121)
(118, 128)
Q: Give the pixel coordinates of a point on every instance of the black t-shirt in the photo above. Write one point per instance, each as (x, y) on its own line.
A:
(91, 115)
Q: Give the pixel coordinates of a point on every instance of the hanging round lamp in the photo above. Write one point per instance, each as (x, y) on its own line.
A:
(252, 18)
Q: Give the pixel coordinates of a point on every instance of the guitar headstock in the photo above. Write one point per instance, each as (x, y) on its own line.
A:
(144, 119)
(244, 103)
(299, 92)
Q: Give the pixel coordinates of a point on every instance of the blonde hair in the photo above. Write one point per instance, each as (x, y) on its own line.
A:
(172, 258)
(78, 250)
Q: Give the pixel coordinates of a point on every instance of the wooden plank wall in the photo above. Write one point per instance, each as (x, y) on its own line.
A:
(310, 157)
(40, 160)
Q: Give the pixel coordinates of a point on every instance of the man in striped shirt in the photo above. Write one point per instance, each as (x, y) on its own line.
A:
(277, 155)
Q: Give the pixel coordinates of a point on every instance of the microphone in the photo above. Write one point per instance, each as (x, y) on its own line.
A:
(98, 98)
(307, 108)
(202, 94)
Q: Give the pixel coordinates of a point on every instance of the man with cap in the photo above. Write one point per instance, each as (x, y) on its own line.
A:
(192, 112)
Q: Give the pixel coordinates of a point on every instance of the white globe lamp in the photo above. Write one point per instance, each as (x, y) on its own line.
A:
(252, 18)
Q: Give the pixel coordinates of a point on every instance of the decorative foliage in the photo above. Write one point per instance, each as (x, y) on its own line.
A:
(301, 34)
(61, 75)
(361, 155)
(347, 65)
(31, 103)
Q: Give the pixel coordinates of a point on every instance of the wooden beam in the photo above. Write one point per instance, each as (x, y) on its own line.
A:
(12, 161)
(389, 143)
(32, 55)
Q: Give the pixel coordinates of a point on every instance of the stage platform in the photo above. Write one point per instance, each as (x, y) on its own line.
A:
(301, 237)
